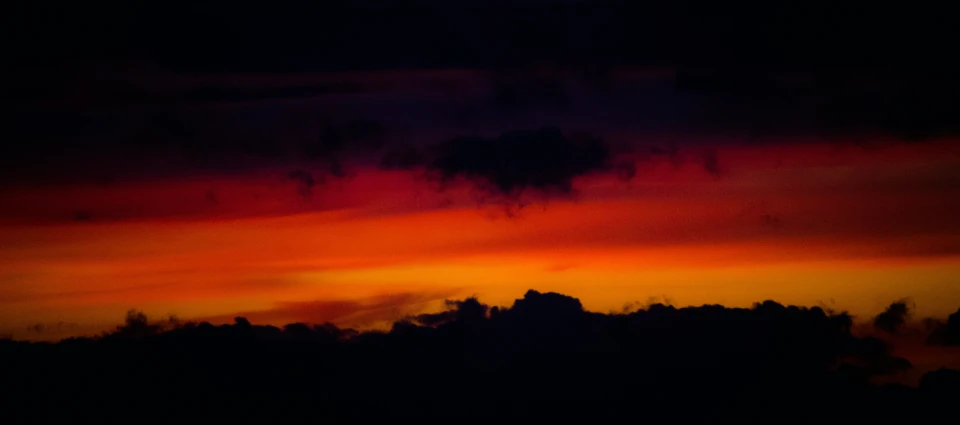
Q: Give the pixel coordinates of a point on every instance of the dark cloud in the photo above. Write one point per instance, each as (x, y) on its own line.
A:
(544, 160)
(893, 318)
(940, 382)
(151, 134)
(836, 72)
(542, 350)
(946, 333)
(227, 93)
(168, 125)
(470, 309)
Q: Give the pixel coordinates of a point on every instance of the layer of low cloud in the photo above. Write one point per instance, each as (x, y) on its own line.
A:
(544, 347)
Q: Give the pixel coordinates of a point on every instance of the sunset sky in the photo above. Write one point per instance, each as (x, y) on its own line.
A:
(375, 210)
(269, 196)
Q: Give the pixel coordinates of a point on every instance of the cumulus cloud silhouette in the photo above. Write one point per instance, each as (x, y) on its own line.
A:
(893, 318)
(541, 350)
(946, 333)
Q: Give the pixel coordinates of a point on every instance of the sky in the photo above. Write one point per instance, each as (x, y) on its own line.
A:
(704, 202)
(360, 161)
(359, 198)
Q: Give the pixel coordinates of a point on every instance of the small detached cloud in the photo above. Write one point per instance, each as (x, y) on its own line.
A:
(893, 318)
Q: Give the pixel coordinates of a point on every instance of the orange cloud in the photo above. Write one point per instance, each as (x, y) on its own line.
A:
(361, 312)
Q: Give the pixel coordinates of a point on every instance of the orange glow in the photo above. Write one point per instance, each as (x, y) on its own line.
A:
(853, 230)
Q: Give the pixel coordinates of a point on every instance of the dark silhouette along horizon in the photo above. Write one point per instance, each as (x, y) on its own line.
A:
(542, 358)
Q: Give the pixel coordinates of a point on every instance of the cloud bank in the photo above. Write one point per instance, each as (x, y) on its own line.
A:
(524, 360)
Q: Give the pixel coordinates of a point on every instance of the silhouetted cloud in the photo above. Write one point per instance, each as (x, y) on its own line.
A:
(94, 108)
(946, 333)
(941, 382)
(893, 318)
(544, 347)
(467, 309)
(544, 160)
